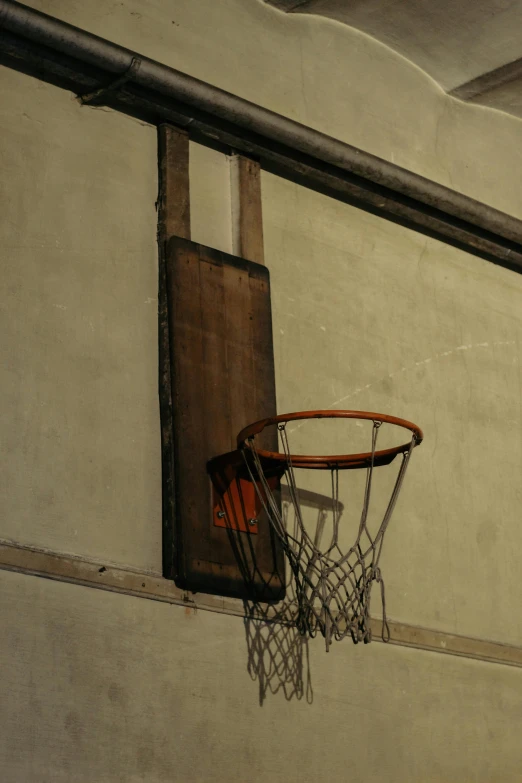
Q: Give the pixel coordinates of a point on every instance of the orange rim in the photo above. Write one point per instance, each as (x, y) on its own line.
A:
(381, 457)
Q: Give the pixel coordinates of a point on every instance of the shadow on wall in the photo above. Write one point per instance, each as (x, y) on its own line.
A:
(278, 654)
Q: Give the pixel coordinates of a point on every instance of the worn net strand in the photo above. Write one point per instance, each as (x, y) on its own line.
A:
(332, 587)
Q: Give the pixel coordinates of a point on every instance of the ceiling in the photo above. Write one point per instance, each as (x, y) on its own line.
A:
(472, 48)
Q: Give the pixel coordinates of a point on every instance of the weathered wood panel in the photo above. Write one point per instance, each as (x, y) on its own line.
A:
(247, 214)
(222, 376)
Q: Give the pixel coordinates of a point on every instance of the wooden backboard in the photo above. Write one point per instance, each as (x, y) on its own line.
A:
(221, 368)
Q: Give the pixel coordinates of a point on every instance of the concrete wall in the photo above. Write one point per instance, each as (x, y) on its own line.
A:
(366, 314)
(79, 357)
(102, 687)
(370, 316)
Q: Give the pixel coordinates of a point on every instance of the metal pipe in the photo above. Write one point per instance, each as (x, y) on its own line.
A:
(390, 189)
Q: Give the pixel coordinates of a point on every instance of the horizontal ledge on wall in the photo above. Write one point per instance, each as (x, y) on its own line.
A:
(102, 73)
(146, 584)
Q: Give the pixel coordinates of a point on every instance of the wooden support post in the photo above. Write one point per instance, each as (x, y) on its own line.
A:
(173, 220)
(247, 214)
(174, 190)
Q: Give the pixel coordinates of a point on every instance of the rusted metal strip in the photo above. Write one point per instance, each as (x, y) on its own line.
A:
(150, 585)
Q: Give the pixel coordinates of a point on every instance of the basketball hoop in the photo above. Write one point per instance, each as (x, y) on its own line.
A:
(332, 586)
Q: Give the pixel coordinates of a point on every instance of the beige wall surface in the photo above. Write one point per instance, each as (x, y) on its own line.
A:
(79, 350)
(371, 316)
(99, 687)
(111, 688)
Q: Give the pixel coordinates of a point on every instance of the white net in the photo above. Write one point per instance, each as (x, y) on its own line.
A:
(332, 580)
